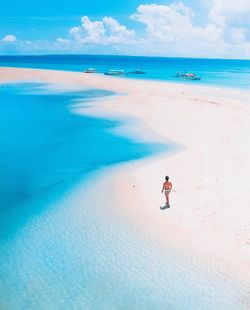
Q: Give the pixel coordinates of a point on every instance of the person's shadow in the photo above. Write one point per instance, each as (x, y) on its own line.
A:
(165, 207)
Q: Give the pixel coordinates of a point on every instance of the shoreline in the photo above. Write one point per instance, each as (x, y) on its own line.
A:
(186, 230)
(192, 84)
(198, 87)
(212, 131)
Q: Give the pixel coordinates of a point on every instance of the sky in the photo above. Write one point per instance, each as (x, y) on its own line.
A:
(187, 28)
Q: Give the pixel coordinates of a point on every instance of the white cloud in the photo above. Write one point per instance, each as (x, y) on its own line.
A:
(171, 30)
(9, 38)
(168, 30)
(173, 24)
(105, 31)
(233, 17)
(229, 12)
(63, 41)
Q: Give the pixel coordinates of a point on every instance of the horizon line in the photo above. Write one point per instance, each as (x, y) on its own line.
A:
(120, 55)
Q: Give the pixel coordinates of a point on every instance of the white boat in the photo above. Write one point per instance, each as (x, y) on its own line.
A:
(115, 72)
(90, 70)
(188, 76)
(137, 71)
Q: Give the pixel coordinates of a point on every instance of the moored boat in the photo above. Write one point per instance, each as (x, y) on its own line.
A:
(137, 71)
(115, 72)
(188, 76)
(90, 70)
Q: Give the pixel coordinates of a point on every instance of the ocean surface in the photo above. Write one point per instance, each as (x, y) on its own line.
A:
(213, 72)
(46, 147)
(60, 246)
(46, 150)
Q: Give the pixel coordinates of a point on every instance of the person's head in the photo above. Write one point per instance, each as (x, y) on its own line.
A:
(167, 178)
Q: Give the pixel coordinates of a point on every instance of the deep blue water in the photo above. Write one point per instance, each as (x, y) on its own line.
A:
(213, 72)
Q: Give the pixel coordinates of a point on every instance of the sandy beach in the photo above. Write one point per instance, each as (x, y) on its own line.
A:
(209, 218)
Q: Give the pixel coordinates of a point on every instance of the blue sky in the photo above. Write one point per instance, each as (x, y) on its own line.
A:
(195, 28)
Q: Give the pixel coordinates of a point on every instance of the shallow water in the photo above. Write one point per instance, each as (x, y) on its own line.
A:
(61, 246)
(44, 146)
(83, 254)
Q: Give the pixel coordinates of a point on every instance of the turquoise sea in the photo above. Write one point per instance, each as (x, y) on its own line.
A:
(213, 72)
(58, 248)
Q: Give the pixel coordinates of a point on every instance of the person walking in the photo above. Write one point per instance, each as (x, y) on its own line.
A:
(166, 188)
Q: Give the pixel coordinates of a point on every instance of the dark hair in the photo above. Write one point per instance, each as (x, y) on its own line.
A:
(166, 178)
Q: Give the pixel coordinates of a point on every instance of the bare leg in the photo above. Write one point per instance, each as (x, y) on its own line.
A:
(167, 198)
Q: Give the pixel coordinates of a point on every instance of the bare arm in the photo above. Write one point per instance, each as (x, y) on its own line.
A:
(162, 188)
